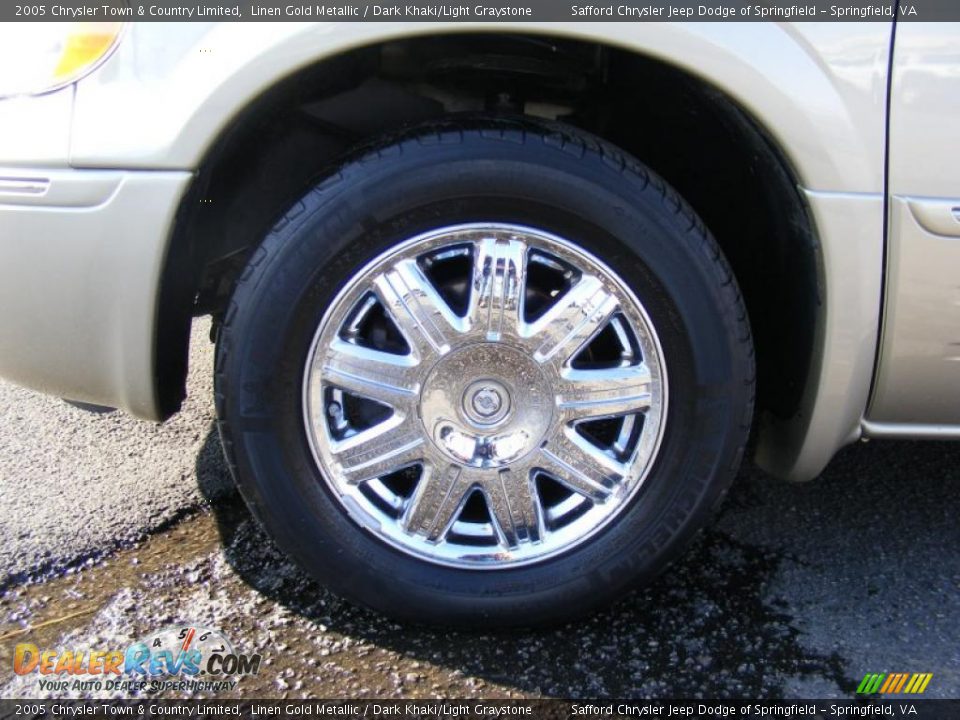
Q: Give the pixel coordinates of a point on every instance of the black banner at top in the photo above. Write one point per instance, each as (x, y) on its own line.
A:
(485, 11)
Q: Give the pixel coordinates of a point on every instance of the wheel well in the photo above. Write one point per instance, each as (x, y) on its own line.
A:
(692, 134)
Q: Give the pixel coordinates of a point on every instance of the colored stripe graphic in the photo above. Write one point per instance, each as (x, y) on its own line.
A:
(892, 680)
(918, 683)
(870, 683)
(893, 683)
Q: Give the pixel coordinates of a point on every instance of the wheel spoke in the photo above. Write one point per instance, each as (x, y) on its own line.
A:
(513, 502)
(564, 329)
(437, 501)
(374, 374)
(496, 288)
(604, 393)
(414, 304)
(386, 447)
(581, 466)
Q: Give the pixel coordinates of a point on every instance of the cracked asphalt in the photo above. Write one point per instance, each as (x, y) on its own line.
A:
(114, 528)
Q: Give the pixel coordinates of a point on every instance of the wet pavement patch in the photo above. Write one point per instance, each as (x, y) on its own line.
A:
(743, 614)
(703, 630)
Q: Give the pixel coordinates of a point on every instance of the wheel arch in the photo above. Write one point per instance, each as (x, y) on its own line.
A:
(773, 162)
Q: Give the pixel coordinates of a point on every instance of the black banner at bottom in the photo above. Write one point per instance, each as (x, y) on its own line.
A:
(377, 709)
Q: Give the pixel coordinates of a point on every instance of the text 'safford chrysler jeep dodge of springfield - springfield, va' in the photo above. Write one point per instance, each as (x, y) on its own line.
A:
(497, 307)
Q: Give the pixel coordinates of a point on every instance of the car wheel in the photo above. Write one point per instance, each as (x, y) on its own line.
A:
(490, 371)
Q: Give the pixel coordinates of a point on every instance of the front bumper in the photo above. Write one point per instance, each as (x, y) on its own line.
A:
(81, 255)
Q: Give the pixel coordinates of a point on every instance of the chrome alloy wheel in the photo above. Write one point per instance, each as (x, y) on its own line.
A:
(485, 396)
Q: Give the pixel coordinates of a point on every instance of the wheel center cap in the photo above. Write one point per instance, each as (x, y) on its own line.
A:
(486, 402)
(470, 410)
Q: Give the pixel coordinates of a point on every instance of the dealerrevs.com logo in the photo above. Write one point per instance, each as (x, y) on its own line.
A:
(178, 658)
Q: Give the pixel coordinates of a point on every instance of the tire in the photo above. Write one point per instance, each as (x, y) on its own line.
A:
(533, 185)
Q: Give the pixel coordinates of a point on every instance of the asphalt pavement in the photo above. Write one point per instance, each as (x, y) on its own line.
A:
(114, 528)
(76, 485)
